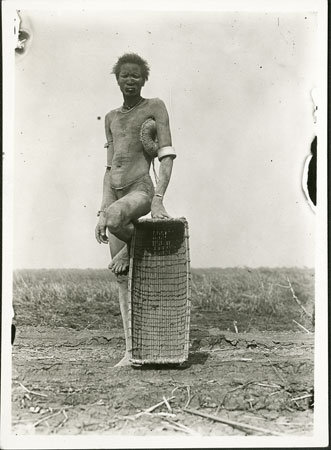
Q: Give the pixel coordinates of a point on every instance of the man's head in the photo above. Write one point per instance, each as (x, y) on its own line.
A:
(132, 58)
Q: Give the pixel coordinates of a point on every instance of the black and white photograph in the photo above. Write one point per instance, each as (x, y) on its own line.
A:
(164, 224)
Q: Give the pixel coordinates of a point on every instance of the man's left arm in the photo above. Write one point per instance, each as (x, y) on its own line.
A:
(157, 209)
(166, 155)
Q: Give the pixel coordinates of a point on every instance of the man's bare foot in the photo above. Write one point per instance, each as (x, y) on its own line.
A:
(125, 361)
(120, 263)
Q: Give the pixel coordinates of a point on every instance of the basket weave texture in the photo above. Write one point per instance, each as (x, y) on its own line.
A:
(159, 291)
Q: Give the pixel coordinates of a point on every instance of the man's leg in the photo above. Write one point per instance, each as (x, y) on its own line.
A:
(119, 218)
(122, 281)
(115, 246)
(120, 229)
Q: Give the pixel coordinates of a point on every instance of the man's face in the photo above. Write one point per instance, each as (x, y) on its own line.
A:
(130, 79)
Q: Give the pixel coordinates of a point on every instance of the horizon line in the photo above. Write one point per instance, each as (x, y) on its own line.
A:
(192, 268)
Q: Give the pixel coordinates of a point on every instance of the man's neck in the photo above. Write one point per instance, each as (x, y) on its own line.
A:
(130, 102)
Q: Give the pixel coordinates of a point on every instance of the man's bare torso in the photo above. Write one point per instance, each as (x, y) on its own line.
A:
(130, 162)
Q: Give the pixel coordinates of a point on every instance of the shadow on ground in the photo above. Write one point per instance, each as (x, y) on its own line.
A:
(193, 359)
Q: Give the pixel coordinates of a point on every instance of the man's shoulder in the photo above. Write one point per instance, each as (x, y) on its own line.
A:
(110, 115)
(156, 102)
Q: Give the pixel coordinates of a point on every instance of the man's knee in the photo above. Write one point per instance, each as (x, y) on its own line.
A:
(115, 218)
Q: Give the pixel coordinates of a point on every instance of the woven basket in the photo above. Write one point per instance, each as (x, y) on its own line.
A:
(159, 291)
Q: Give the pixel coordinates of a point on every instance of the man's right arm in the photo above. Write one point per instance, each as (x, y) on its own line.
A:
(110, 153)
(100, 231)
(109, 143)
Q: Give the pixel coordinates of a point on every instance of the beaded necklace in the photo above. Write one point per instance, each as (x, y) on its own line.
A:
(130, 108)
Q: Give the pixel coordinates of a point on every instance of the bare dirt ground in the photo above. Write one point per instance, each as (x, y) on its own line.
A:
(64, 382)
(70, 335)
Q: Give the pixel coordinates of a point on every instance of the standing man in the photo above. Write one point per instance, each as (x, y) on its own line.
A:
(128, 191)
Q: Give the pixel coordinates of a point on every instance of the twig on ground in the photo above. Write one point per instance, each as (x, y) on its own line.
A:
(52, 365)
(242, 386)
(31, 392)
(167, 404)
(175, 389)
(273, 393)
(154, 407)
(297, 300)
(253, 416)
(248, 295)
(295, 429)
(302, 397)
(50, 416)
(99, 402)
(163, 414)
(301, 326)
(211, 350)
(188, 396)
(235, 360)
(235, 326)
(181, 427)
(250, 400)
(231, 422)
(299, 424)
(289, 408)
(124, 426)
(117, 418)
(282, 378)
(42, 357)
(63, 421)
(90, 323)
(276, 371)
(268, 385)
(282, 286)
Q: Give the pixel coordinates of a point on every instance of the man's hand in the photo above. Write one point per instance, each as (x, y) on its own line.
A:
(157, 209)
(101, 230)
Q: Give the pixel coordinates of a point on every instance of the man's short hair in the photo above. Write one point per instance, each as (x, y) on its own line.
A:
(132, 58)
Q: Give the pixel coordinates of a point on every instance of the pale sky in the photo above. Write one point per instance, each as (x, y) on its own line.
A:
(237, 87)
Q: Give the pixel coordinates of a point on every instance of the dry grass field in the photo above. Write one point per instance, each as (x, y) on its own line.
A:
(251, 357)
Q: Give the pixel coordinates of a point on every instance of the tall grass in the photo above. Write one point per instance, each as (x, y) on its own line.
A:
(89, 299)
(260, 298)
(251, 290)
(65, 297)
